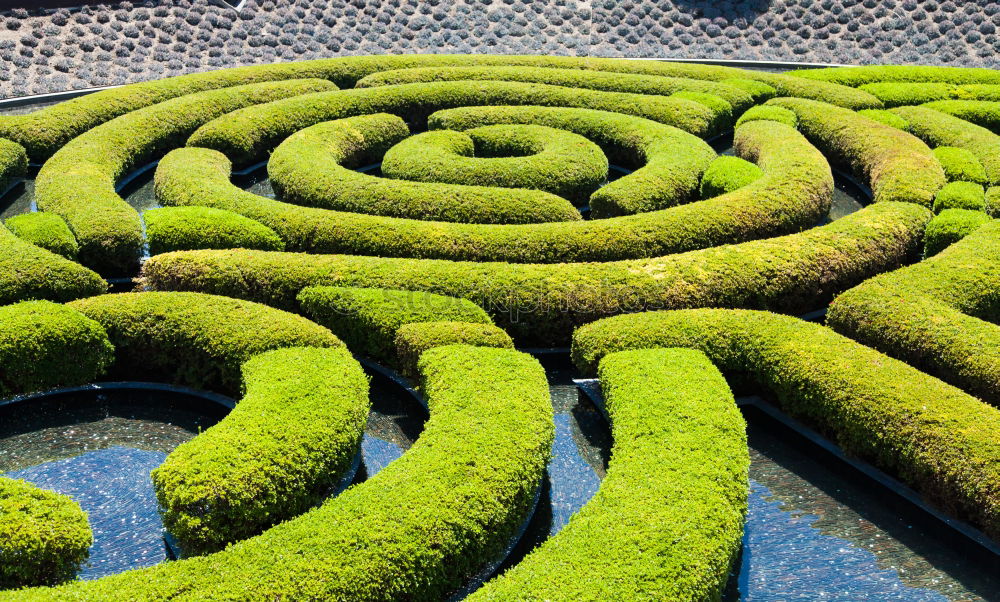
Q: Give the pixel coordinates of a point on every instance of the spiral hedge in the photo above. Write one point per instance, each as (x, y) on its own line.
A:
(430, 212)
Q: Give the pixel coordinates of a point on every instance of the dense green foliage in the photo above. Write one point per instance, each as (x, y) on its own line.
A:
(874, 407)
(857, 76)
(960, 195)
(940, 129)
(46, 230)
(979, 112)
(37, 338)
(960, 164)
(727, 174)
(45, 535)
(667, 521)
(939, 315)
(413, 339)
(13, 163)
(186, 228)
(193, 339)
(949, 227)
(769, 113)
(887, 117)
(287, 443)
(895, 94)
(31, 272)
(367, 319)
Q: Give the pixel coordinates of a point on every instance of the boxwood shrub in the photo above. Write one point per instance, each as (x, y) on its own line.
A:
(874, 407)
(367, 319)
(887, 117)
(667, 521)
(727, 174)
(290, 439)
(938, 315)
(949, 227)
(45, 535)
(419, 529)
(46, 230)
(540, 304)
(769, 113)
(940, 129)
(992, 207)
(895, 94)
(13, 163)
(979, 112)
(960, 195)
(185, 228)
(413, 339)
(36, 340)
(193, 339)
(960, 164)
(315, 167)
(31, 272)
(794, 193)
(858, 76)
(78, 182)
(898, 165)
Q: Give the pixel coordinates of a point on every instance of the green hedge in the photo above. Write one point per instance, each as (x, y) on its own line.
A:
(886, 117)
(858, 76)
(762, 92)
(939, 315)
(794, 193)
(78, 182)
(37, 338)
(193, 339)
(949, 227)
(314, 167)
(992, 207)
(535, 157)
(960, 195)
(45, 535)
(287, 443)
(417, 530)
(895, 94)
(979, 112)
(13, 163)
(898, 165)
(874, 407)
(769, 113)
(367, 319)
(540, 304)
(186, 228)
(940, 129)
(667, 521)
(413, 339)
(727, 174)
(31, 272)
(46, 230)
(960, 164)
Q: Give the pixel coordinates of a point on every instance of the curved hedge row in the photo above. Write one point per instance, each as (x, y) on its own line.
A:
(960, 195)
(898, 165)
(535, 157)
(45, 230)
(13, 163)
(949, 227)
(288, 442)
(940, 129)
(186, 228)
(979, 112)
(45, 535)
(314, 167)
(414, 338)
(857, 76)
(31, 272)
(896, 94)
(541, 303)
(794, 193)
(769, 113)
(367, 319)
(938, 315)
(667, 520)
(960, 164)
(727, 174)
(872, 406)
(418, 529)
(194, 339)
(78, 182)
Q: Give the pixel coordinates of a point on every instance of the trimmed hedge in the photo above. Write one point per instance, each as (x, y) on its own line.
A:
(727, 174)
(193, 339)
(13, 163)
(283, 448)
(857, 76)
(413, 339)
(37, 338)
(667, 520)
(31, 272)
(887, 117)
(535, 157)
(872, 406)
(417, 530)
(899, 166)
(46, 230)
(940, 129)
(949, 227)
(960, 195)
(760, 91)
(960, 164)
(186, 228)
(78, 182)
(939, 315)
(45, 535)
(541, 303)
(367, 319)
(794, 193)
(979, 112)
(769, 113)
(895, 94)
(992, 207)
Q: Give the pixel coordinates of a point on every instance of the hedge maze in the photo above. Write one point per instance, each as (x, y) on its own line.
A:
(431, 214)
